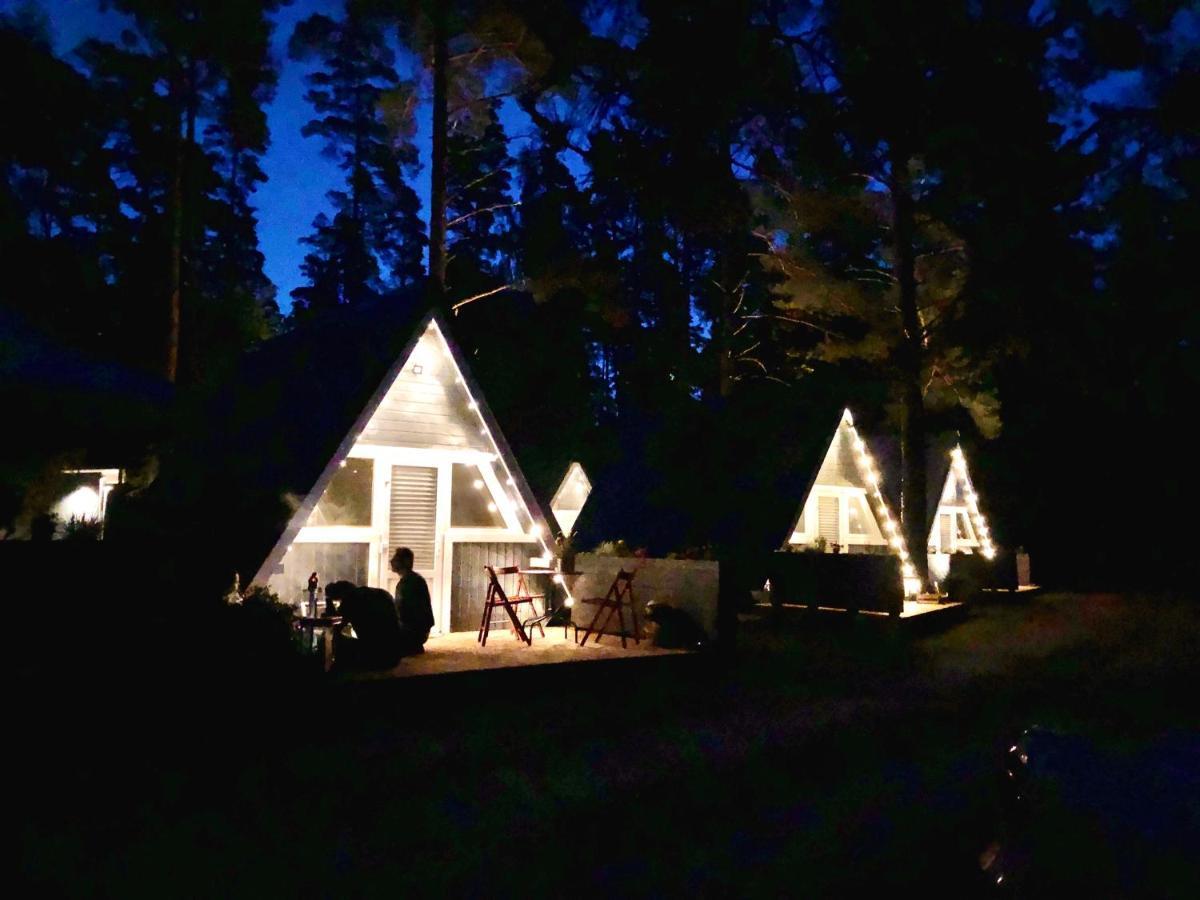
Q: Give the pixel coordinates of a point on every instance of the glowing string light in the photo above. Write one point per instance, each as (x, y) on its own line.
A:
(986, 547)
(910, 583)
(536, 529)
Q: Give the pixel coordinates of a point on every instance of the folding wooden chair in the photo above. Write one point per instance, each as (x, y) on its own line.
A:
(619, 595)
(498, 597)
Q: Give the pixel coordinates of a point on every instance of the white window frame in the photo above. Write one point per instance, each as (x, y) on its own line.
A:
(376, 534)
(809, 517)
(957, 545)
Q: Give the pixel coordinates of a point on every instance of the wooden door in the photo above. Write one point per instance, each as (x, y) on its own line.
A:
(469, 583)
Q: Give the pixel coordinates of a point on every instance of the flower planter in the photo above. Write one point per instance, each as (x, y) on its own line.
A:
(849, 581)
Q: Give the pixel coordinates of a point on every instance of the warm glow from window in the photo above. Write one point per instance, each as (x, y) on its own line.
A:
(81, 503)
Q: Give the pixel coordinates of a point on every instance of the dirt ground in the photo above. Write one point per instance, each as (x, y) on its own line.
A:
(830, 756)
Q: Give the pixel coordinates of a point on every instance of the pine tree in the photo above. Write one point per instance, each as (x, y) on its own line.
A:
(184, 92)
(876, 213)
(479, 205)
(471, 54)
(373, 241)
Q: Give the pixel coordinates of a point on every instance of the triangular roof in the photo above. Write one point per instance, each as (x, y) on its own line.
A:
(574, 489)
(490, 438)
(947, 465)
(848, 460)
(255, 445)
(837, 466)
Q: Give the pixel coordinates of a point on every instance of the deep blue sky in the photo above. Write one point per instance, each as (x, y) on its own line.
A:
(298, 176)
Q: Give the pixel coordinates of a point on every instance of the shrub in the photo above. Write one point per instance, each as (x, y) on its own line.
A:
(260, 631)
(83, 529)
(614, 548)
(705, 552)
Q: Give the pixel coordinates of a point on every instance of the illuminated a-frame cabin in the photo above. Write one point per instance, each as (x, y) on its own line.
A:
(423, 465)
(844, 509)
(956, 523)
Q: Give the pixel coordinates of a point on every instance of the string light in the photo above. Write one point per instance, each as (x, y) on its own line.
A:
(986, 547)
(911, 583)
(536, 530)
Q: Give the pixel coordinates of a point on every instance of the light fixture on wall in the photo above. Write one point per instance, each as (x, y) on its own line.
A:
(418, 369)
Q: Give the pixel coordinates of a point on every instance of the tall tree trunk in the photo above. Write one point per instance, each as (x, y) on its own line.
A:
(724, 326)
(189, 210)
(438, 168)
(175, 302)
(912, 498)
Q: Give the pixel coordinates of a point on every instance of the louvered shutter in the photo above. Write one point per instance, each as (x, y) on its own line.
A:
(412, 520)
(828, 519)
(947, 533)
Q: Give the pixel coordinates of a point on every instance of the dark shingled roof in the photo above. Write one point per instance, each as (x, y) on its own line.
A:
(937, 466)
(69, 400)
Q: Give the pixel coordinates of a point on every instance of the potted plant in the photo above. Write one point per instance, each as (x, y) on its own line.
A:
(565, 544)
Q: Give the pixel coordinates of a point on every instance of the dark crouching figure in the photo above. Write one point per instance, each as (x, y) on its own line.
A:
(413, 606)
(369, 611)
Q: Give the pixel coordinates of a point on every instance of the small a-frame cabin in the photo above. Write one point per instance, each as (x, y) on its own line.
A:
(956, 524)
(425, 466)
(573, 492)
(845, 510)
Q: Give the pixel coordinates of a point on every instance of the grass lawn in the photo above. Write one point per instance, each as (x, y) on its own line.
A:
(827, 756)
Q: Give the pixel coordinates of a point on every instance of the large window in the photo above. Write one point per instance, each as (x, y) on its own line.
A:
(963, 535)
(347, 499)
(471, 502)
(857, 514)
(331, 562)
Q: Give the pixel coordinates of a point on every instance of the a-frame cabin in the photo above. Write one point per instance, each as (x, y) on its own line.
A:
(425, 466)
(844, 509)
(957, 524)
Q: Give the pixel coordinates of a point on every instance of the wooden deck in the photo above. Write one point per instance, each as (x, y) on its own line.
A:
(912, 608)
(460, 652)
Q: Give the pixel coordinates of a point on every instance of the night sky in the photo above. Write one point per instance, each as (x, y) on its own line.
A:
(298, 177)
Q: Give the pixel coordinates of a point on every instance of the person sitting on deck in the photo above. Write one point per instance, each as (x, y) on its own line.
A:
(413, 606)
(377, 642)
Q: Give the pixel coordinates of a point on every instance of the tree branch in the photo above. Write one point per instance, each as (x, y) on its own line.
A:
(471, 184)
(461, 303)
(475, 212)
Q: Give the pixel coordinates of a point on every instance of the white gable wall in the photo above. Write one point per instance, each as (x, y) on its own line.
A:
(840, 484)
(425, 422)
(426, 409)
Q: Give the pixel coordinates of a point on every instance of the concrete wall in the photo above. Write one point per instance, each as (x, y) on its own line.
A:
(689, 585)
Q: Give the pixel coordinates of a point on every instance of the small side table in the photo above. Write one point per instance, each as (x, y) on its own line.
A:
(555, 574)
(327, 625)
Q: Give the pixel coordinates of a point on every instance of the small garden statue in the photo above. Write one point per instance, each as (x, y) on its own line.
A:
(234, 596)
(313, 583)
